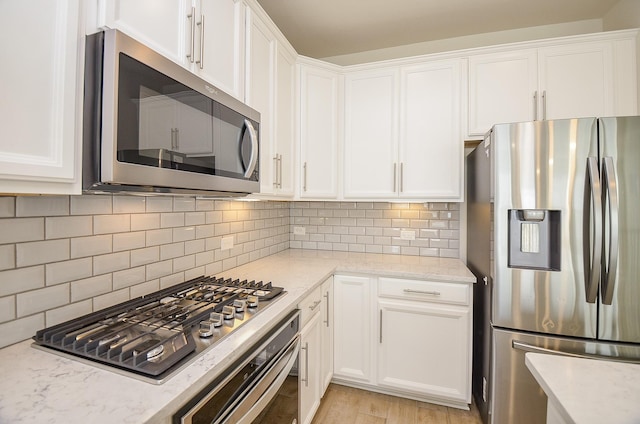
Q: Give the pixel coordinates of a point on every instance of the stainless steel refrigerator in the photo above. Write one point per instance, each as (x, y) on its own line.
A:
(553, 232)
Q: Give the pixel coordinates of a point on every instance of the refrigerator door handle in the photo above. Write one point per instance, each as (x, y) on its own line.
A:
(526, 347)
(611, 200)
(592, 250)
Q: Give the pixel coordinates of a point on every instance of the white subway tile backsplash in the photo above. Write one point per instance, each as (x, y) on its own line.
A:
(148, 221)
(129, 241)
(145, 256)
(7, 308)
(90, 287)
(110, 262)
(184, 233)
(68, 226)
(63, 272)
(7, 256)
(171, 280)
(157, 237)
(195, 218)
(91, 246)
(129, 204)
(16, 230)
(159, 204)
(7, 207)
(28, 303)
(67, 312)
(144, 288)
(42, 205)
(194, 246)
(41, 252)
(159, 269)
(129, 277)
(107, 224)
(91, 205)
(184, 262)
(20, 329)
(168, 220)
(184, 204)
(110, 299)
(214, 217)
(170, 251)
(20, 280)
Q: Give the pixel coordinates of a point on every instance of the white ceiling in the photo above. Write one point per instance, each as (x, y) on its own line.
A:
(324, 28)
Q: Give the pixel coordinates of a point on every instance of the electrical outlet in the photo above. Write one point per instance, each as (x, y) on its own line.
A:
(226, 243)
(299, 231)
(407, 235)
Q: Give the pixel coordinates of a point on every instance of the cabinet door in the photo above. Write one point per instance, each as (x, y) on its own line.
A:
(501, 89)
(221, 54)
(326, 360)
(160, 24)
(424, 349)
(353, 353)
(260, 91)
(430, 137)
(41, 81)
(371, 134)
(319, 91)
(309, 369)
(283, 153)
(576, 81)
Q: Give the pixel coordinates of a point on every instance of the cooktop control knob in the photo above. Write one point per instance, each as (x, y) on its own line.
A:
(216, 319)
(240, 305)
(228, 312)
(252, 301)
(206, 329)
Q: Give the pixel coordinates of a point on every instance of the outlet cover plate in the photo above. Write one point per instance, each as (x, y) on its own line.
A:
(299, 231)
(226, 243)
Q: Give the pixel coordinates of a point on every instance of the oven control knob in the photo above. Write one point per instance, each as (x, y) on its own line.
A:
(252, 301)
(240, 305)
(206, 329)
(228, 312)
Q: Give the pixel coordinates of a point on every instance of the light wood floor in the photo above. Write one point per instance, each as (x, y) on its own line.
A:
(346, 405)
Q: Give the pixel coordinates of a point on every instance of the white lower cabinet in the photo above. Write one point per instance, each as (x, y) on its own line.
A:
(416, 334)
(309, 363)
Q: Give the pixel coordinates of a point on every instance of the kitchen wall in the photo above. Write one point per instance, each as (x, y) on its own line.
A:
(376, 227)
(66, 256)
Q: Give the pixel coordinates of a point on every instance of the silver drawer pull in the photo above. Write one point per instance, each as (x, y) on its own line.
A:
(430, 293)
(315, 305)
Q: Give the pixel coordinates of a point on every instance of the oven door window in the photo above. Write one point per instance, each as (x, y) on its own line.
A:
(163, 123)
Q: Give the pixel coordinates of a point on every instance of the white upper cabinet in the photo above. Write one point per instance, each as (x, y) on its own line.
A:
(319, 89)
(403, 137)
(431, 147)
(206, 36)
(41, 80)
(500, 79)
(371, 133)
(270, 89)
(581, 77)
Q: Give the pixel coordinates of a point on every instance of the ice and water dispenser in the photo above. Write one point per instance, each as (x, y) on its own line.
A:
(534, 239)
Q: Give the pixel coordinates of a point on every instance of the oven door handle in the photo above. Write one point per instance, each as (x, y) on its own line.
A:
(258, 396)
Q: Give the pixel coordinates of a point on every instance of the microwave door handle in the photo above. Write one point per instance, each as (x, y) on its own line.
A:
(609, 185)
(592, 251)
(253, 160)
(264, 390)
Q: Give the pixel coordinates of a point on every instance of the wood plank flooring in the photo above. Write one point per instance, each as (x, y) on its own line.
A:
(346, 405)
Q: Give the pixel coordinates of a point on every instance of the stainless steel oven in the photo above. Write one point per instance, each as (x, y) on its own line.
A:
(261, 387)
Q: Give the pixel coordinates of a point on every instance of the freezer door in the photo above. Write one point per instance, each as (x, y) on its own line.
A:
(541, 239)
(516, 397)
(620, 284)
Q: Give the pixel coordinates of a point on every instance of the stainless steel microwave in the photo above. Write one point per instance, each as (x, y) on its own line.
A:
(151, 126)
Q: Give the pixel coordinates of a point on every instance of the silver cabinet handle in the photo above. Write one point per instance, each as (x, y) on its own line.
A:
(326, 295)
(380, 325)
(304, 181)
(427, 292)
(275, 171)
(306, 364)
(175, 138)
(279, 166)
(544, 105)
(535, 105)
(201, 25)
(592, 259)
(611, 197)
(253, 161)
(401, 177)
(192, 20)
(315, 305)
(395, 175)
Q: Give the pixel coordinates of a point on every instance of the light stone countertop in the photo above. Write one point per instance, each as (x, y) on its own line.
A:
(588, 391)
(41, 387)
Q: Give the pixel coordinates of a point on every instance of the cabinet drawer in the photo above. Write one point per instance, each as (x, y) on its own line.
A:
(424, 291)
(310, 306)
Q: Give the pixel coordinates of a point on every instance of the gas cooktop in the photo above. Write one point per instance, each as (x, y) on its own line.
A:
(153, 336)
